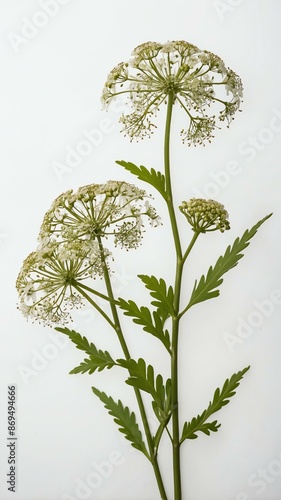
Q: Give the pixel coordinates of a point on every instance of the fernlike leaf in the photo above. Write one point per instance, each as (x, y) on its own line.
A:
(153, 324)
(98, 359)
(99, 362)
(81, 342)
(142, 377)
(220, 399)
(155, 179)
(125, 419)
(207, 286)
(163, 294)
(191, 428)
(163, 414)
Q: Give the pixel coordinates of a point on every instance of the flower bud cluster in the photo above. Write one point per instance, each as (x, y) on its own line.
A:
(205, 215)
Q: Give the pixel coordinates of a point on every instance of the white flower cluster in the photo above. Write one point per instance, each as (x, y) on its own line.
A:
(71, 250)
(205, 215)
(196, 80)
(46, 282)
(99, 210)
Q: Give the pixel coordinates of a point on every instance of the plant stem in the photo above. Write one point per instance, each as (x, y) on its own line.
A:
(95, 292)
(175, 319)
(79, 289)
(190, 246)
(174, 370)
(118, 329)
(169, 194)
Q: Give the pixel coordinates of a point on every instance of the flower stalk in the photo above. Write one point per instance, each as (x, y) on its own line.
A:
(175, 320)
(180, 260)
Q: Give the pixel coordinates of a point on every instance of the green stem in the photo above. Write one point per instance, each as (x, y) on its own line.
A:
(169, 194)
(175, 319)
(190, 246)
(118, 329)
(188, 250)
(80, 290)
(95, 292)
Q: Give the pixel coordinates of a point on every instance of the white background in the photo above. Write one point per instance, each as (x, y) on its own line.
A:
(50, 90)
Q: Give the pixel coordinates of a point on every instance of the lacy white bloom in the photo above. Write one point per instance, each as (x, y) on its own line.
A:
(99, 210)
(205, 215)
(195, 78)
(46, 282)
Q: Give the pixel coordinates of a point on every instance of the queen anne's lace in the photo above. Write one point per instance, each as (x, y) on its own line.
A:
(71, 250)
(205, 215)
(197, 80)
(99, 210)
(46, 282)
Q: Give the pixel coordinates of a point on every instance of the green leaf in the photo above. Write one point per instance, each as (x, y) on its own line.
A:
(163, 414)
(158, 290)
(81, 342)
(151, 323)
(99, 362)
(98, 359)
(164, 411)
(190, 428)
(220, 399)
(207, 286)
(125, 419)
(155, 179)
(142, 377)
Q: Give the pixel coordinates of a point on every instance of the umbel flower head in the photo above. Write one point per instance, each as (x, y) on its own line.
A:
(99, 210)
(47, 281)
(196, 79)
(205, 215)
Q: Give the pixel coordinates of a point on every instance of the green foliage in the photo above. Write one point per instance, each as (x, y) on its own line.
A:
(158, 290)
(153, 324)
(220, 399)
(155, 179)
(125, 419)
(81, 342)
(207, 286)
(142, 377)
(98, 362)
(98, 359)
(163, 414)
